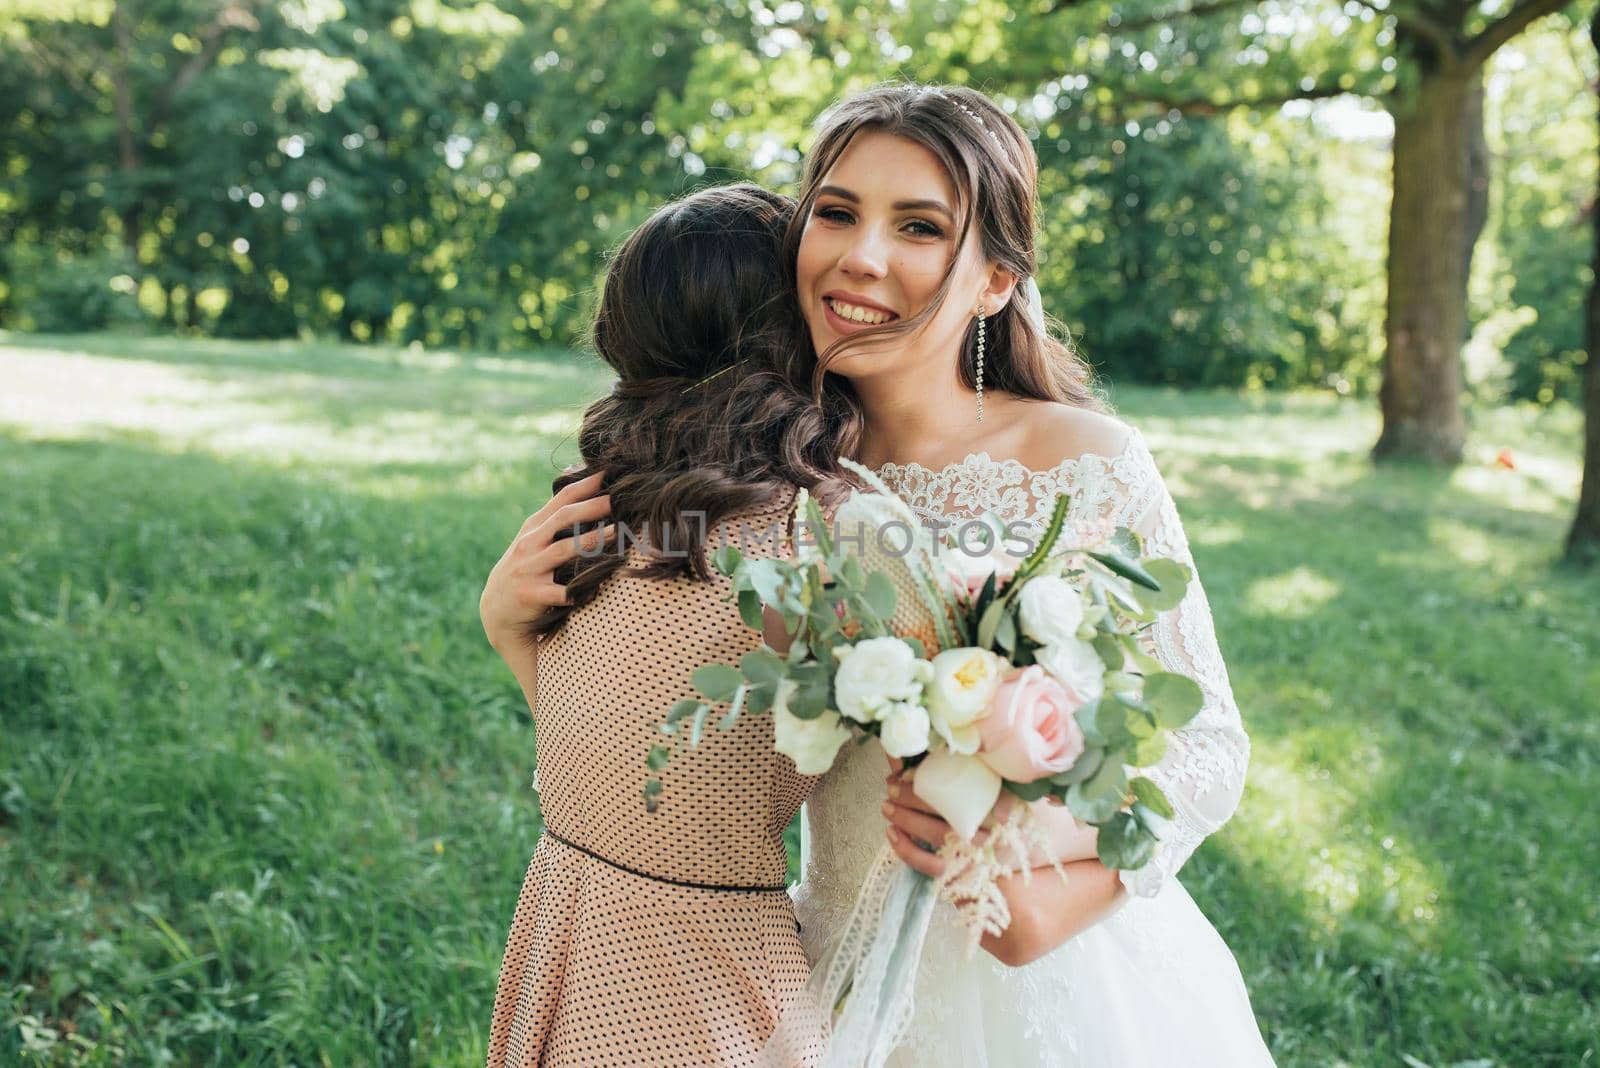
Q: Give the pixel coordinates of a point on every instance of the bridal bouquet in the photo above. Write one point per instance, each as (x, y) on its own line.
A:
(986, 670)
(990, 672)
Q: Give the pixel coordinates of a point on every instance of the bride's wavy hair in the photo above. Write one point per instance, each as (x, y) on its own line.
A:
(996, 175)
(710, 414)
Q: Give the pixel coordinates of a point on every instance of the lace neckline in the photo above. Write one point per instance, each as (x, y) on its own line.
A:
(1101, 486)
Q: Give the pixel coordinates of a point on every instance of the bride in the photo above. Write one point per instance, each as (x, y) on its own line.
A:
(914, 230)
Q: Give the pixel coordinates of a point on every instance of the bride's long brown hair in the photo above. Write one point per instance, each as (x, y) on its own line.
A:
(710, 413)
(996, 175)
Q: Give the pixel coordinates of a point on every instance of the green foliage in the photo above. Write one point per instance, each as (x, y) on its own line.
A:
(1531, 286)
(69, 294)
(403, 171)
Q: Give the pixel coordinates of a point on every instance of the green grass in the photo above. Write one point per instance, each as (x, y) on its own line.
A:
(264, 788)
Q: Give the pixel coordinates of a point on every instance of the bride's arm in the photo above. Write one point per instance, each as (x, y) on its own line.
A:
(1203, 770)
(1045, 911)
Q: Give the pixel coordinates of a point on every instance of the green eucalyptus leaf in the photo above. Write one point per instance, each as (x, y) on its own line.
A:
(1172, 580)
(765, 578)
(727, 559)
(1124, 843)
(1090, 808)
(812, 681)
(1148, 794)
(1173, 699)
(880, 595)
(658, 758)
(1109, 650)
(763, 666)
(1086, 766)
(1149, 750)
(682, 708)
(1088, 717)
(717, 681)
(1142, 660)
(1029, 791)
(750, 610)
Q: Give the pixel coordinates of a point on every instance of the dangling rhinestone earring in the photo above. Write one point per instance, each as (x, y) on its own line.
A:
(981, 317)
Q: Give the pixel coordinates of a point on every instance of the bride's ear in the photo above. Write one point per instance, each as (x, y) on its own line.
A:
(997, 292)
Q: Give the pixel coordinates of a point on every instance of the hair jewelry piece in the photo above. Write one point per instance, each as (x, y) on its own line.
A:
(936, 91)
(709, 377)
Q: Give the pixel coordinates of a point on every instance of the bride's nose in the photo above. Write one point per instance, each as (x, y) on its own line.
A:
(867, 256)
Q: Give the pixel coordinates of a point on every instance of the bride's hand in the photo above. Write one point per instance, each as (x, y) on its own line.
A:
(522, 585)
(1066, 839)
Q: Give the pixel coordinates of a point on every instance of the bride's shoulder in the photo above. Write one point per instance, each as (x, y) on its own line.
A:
(1052, 433)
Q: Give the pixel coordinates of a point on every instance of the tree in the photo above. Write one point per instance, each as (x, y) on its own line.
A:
(1583, 542)
(1424, 63)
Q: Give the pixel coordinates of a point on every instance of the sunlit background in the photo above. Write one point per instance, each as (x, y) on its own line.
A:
(293, 298)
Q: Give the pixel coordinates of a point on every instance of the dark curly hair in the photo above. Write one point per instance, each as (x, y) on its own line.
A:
(712, 411)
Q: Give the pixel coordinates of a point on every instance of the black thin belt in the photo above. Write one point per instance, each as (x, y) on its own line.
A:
(781, 888)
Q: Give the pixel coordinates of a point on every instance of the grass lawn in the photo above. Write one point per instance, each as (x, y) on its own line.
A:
(264, 788)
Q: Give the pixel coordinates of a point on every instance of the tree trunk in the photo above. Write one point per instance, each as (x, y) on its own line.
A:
(1583, 542)
(1477, 177)
(128, 160)
(1426, 313)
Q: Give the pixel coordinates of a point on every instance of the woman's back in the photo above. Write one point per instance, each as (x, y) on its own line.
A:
(606, 680)
(666, 937)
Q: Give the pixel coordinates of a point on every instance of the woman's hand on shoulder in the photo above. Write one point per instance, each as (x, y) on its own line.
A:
(522, 584)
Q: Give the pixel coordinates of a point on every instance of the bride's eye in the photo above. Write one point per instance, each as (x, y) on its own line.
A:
(834, 215)
(923, 228)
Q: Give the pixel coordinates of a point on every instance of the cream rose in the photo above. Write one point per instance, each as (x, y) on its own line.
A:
(963, 682)
(1050, 609)
(810, 743)
(1030, 731)
(874, 674)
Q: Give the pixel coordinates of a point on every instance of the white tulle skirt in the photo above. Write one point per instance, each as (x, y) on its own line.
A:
(1151, 986)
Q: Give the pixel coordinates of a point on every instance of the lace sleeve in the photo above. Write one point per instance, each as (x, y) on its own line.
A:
(1203, 770)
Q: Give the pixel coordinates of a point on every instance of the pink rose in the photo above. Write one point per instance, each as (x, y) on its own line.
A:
(968, 573)
(1029, 732)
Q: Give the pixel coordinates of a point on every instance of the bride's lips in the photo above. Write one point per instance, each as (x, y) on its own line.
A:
(840, 325)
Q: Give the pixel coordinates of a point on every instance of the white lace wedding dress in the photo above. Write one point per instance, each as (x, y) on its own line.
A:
(1151, 985)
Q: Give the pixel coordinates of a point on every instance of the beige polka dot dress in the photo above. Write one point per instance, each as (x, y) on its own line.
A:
(662, 938)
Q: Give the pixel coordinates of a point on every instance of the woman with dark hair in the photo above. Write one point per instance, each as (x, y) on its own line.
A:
(663, 937)
(913, 246)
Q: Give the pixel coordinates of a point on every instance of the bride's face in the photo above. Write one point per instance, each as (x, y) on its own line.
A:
(875, 249)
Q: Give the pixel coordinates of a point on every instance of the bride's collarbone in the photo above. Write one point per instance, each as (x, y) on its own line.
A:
(1036, 434)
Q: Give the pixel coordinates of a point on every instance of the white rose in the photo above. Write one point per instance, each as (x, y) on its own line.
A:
(905, 729)
(1050, 609)
(964, 681)
(1075, 665)
(962, 789)
(872, 675)
(810, 743)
